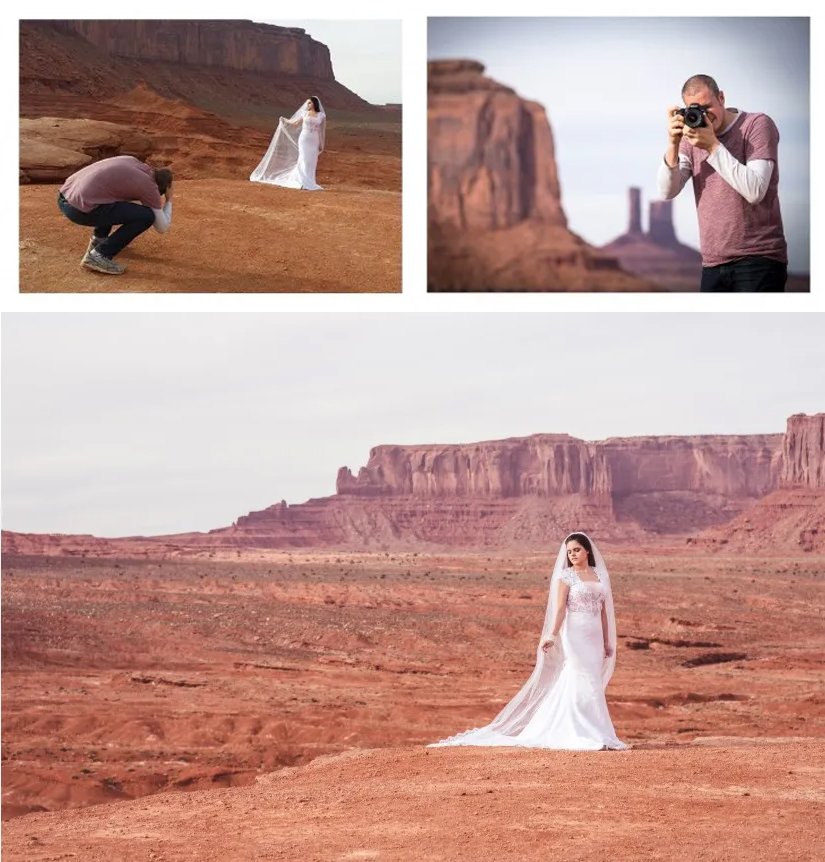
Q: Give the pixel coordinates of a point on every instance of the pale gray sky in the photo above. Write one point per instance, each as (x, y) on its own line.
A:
(606, 84)
(366, 55)
(124, 424)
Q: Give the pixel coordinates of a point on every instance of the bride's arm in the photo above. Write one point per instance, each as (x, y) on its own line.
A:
(562, 590)
(605, 634)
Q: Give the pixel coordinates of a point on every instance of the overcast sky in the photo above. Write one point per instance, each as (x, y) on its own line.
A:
(606, 84)
(366, 55)
(118, 424)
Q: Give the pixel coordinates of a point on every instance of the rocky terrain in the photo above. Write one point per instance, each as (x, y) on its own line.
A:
(495, 212)
(206, 696)
(126, 678)
(204, 98)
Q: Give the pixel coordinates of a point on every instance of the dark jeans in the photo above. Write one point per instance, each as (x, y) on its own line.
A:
(134, 218)
(746, 275)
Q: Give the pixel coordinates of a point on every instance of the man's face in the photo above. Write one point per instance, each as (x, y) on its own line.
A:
(714, 105)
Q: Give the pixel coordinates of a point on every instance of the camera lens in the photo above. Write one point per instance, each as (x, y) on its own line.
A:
(694, 117)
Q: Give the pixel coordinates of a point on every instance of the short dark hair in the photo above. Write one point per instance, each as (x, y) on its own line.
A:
(697, 81)
(163, 178)
(585, 543)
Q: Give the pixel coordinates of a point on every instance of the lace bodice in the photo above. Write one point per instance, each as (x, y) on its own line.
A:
(313, 122)
(583, 596)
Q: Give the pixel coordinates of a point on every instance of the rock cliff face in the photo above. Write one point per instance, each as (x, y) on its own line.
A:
(242, 72)
(523, 492)
(803, 452)
(543, 465)
(792, 516)
(491, 154)
(243, 46)
(496, 220)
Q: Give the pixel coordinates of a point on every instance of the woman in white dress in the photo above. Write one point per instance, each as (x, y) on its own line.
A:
(293, 153)
(563, 705)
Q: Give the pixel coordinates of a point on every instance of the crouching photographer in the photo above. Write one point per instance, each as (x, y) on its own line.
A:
(731, 156)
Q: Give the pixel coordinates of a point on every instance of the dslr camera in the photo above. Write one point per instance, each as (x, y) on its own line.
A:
(693, 115)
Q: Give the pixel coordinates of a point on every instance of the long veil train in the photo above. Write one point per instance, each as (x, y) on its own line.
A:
(517, 714)
(279, 164)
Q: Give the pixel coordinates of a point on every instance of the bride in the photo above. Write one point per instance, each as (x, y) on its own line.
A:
(563, 705)
(293, 152)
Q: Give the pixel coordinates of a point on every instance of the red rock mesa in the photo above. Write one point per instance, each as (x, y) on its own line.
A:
(522, 492)
(793, 516)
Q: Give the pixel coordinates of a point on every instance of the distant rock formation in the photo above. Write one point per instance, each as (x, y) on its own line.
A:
(496, 220)
(515, 493)
(240, 45)
(803, 452)
(793, 516)
(657, 255)
(240, 71)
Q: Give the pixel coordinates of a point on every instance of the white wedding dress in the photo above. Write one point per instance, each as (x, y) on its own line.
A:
(563, 703)
(292, 157)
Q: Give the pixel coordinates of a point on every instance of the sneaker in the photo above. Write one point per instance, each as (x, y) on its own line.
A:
(95, 260)
(94, 242)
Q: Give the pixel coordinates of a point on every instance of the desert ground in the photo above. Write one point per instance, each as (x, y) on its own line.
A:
(293, 693)
(230, 235)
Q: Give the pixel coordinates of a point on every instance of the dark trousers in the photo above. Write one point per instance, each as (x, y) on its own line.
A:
(133, 218)
(746, 275)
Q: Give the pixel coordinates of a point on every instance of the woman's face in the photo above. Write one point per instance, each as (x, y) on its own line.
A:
(309, 105)
(576, 553)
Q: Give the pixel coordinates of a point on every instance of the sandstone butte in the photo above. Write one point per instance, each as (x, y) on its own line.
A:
(496, 220)
(521, 493)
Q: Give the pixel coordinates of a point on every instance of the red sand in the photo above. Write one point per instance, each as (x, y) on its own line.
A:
(125, 678)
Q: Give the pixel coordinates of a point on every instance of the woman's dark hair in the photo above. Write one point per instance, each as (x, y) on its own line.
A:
(585, 543)
(315, 103)
(163, 179)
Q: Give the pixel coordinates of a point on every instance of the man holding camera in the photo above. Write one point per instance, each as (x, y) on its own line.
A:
(103, 194)
(731, 156)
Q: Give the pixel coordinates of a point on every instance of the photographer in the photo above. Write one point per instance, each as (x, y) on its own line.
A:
(102, 195)
(731, 156)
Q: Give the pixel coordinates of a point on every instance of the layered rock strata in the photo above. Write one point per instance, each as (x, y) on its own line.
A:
(242, 72)
(792, 517)
(240, 45)
(523, 492)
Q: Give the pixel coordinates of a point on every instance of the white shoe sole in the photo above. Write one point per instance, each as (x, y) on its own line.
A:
(90, 264)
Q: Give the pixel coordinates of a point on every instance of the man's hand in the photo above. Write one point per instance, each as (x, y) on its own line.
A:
(703, 137)
(675, 125)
